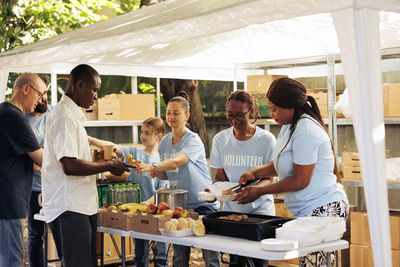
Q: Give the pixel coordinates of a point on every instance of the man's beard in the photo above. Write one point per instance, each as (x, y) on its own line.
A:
(41, 108)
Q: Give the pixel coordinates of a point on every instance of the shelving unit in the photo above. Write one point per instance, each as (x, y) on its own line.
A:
(311, 65)
(134, 124)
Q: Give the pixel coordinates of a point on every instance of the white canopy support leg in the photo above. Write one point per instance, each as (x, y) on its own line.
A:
(359, 41)
(3, 84)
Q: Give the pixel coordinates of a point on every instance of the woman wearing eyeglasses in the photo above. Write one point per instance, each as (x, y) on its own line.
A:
(240, 148)
(303, 159)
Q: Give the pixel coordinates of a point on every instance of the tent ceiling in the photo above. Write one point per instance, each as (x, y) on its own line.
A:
(197, 39)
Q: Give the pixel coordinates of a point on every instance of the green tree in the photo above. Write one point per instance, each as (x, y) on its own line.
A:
(27, 21)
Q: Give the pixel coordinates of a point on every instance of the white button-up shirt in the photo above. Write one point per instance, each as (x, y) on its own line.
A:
(66, 137)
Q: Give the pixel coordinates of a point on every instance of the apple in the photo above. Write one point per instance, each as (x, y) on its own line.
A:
(177, 212)
(162, 206)
(185, 213)
(167, 212)
(112, 207)
(152, 209)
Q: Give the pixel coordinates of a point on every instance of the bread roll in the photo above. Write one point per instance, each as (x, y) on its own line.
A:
(198, 228)
(170, 226)
(183, 224)
(174, 221)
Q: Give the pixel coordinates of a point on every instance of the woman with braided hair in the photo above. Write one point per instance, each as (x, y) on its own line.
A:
(303, 160)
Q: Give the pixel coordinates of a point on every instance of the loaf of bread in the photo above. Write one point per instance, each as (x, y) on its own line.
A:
(198, 228)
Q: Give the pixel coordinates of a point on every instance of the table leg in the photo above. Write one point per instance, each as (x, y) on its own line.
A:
(101, 249)
(123, 256)
(328, 259)
(45, 240)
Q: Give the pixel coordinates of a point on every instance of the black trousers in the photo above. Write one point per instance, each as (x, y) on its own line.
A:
(35, 234)
(77, 235)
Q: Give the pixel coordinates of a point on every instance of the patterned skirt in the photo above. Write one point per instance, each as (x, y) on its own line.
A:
(333, 209)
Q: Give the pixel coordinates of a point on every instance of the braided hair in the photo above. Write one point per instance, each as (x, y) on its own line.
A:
(289, 93)
(245, 97)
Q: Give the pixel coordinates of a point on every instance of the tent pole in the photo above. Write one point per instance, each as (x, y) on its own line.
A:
(158, 98)
(332, 123)
(54, 99)
(135, 129)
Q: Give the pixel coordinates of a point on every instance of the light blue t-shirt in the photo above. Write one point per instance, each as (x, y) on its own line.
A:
(147, 184)
(192, 176)
(38, 125)
(236, 157)
(309, 144)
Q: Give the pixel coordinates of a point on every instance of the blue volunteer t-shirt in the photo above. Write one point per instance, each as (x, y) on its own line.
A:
(309, 144)
(16, 167)
(236, 157)
(193, 176)
(38, 125)
(147, 184)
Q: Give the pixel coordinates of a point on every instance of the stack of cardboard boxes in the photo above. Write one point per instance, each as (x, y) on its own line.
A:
(360, 247)
(122, 107)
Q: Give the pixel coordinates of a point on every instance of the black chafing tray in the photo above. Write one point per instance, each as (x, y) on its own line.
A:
(257, 227)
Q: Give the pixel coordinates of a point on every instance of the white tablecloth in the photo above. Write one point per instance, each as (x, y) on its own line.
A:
(232, 245)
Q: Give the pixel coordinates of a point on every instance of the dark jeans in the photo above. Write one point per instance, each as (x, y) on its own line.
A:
(77, 235)
(35, 233)
(182, 253)
(142, 253)
(240, 261)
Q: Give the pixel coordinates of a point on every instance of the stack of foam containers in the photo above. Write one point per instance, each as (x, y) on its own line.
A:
(310, 231)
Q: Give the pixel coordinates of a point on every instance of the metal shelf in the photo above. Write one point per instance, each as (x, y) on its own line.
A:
(134, 124)
(112, 123)
(361, 184)
(350, 121)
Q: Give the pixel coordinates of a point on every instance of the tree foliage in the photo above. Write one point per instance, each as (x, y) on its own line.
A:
(27, 21)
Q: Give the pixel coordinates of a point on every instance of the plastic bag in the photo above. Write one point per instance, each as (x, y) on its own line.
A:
(343, 105)
(392, 169)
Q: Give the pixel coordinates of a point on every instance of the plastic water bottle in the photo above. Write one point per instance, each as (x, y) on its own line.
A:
(124, 193)
(138, 193)
(110, 194)
(117, 193)
(131, 195)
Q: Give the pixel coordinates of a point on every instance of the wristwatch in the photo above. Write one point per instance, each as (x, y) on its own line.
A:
(155, 166)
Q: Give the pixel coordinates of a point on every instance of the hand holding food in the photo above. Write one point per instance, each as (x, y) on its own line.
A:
(246, 177)
(117, 167)
(248, 194)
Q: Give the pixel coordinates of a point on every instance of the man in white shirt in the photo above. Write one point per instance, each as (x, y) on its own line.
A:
(69, 189)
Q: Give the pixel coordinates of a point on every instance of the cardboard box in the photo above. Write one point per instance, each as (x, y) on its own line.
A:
(391, 99)
(91, 113)
(110, 251)
(126, 107)
(361, 256)
(108, 108)
(136, 107)
(147, 223)
(360, 229)
(117, 220)
(321, 97)
(259, 84)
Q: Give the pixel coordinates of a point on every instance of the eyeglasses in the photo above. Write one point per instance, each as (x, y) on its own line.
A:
(238, 117)
(40, 95)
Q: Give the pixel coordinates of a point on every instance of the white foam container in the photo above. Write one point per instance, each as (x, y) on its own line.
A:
(274, 244)
(178, 233)
(207, 196)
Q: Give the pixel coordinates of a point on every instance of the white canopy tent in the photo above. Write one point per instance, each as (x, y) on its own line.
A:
(207, 39)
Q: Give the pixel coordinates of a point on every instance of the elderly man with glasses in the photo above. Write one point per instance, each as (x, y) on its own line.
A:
(19, 150)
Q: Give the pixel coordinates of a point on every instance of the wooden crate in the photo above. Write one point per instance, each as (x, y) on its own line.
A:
(351, 166)
(352, 173)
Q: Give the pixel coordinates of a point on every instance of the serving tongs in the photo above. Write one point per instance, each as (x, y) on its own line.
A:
(236, 188)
